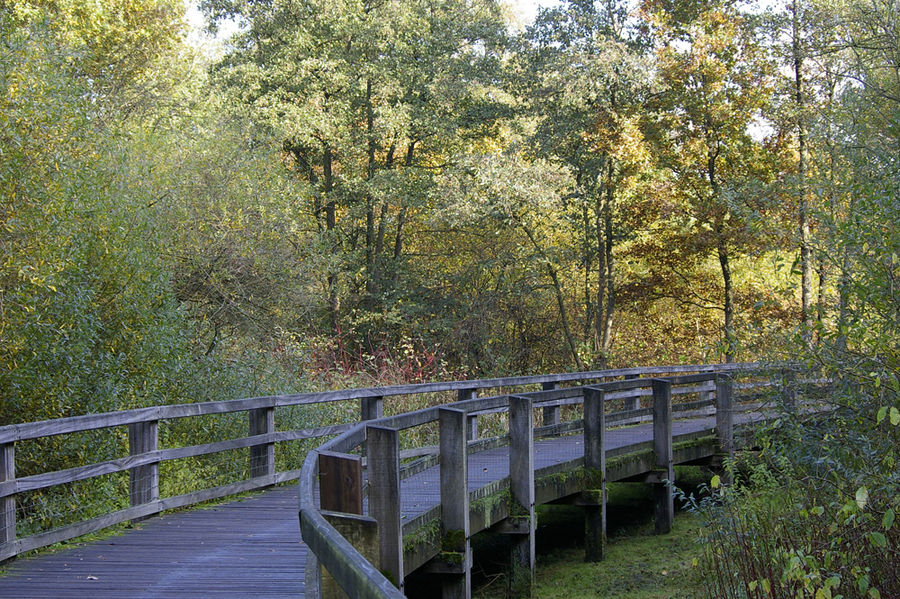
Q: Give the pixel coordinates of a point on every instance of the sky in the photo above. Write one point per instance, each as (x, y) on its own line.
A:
(525, 9)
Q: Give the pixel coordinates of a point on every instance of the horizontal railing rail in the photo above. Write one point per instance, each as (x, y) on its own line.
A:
(356, 574)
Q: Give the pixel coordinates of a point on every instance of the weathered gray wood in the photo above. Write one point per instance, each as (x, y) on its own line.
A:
(789, 389)
(632, 403)
(371, 408)
(595, 459)
(143, 481)
(471, 419)
(76, 530)
(384, 497)
(262, 457)
(355, 575)
(340, 483)
(51, 479)
(550, 413)
(521, 485)
(725, 414)
(33, 430)
(664, 501)
(362, 533)
(455, 501)
(7, 504)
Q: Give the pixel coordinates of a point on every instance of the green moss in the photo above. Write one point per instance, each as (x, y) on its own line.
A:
(424, 535)
(453, 541)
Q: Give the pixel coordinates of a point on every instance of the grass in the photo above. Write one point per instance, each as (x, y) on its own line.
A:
(638, 563)
(641, 565)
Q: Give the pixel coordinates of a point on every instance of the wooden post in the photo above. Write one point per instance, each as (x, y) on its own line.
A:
(8, 503)
(709, 394)
(384, 498)
(633, 403)
(664, 500)
(472, 423)
(521, 486)
(362, 533)
(143, 481)
(725, 414)
(550, 413)
(340, 482)
(455, 502)
(370, 408)
(789, 389)
(594, 459)
(262, 457)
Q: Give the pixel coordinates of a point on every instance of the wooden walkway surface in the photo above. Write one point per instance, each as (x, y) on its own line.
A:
(247, 548)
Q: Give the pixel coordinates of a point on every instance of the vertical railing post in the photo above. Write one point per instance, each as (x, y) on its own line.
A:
(725, 414)
(384, 498)
(143, 481)
(789, 389)
(262, 457)
(472, 419)
(8, 503)
(521, 486)
(595, 465)
(633, 403)
(664, 501)
(550, 413)
(370, 408)
(455, 502)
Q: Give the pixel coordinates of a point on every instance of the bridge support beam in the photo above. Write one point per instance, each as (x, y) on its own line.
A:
(520, 580)
(384, 498)
(594, 459)
(456, 551)
(663, 499)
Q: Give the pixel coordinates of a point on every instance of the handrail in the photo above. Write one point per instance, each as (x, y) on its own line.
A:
(351, 570)
(144, 456)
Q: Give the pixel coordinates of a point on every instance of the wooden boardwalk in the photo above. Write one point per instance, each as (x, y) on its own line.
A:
(247, 548)
(236, 550)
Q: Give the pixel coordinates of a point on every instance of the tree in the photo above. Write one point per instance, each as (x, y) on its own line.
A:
(716, 80)
(583, 73)
(366, 97)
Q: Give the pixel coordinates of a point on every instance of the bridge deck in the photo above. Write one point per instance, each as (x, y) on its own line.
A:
(245, 548)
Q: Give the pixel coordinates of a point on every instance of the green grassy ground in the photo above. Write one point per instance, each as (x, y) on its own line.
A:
(638, 565)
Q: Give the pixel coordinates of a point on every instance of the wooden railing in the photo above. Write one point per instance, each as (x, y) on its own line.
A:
(338, 540)
(143, 458)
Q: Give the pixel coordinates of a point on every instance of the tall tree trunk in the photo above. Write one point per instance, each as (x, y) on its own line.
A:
(330, 226)
(563, 315)
(586, 261)
(382, 221)
(730, 341)
(401, 217)
(371, 274)
(602, 269)
(806, 267)
(608, 211)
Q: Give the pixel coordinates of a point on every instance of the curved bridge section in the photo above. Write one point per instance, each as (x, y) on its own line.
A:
(429, 481)
(424, 481)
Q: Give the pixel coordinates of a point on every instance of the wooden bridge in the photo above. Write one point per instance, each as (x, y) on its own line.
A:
(428, 479)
